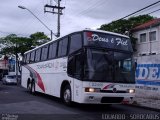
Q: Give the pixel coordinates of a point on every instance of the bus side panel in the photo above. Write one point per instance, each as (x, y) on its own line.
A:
(25, 76)
(46, 80)
(51, 74)
(48, 75)
(55, 83)
(77, 93)
(42, 77)
(28, 73)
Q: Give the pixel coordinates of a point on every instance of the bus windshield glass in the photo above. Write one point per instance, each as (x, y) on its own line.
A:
(109, 66)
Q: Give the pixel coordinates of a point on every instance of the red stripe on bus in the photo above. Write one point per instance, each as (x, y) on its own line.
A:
(40, 82)
(107, 86)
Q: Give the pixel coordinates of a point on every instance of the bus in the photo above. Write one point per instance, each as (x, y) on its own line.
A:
(86, 67)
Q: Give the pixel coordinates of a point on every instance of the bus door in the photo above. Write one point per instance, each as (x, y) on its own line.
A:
(75, 71)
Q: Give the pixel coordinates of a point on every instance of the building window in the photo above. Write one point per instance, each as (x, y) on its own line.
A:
(152, 36)
(143, 37)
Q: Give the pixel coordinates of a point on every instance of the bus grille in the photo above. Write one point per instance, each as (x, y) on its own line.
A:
(112, 99)
(111, 91)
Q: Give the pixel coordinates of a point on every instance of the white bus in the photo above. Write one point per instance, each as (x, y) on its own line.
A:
(88, 66)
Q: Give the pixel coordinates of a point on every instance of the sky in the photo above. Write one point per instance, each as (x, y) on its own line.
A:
(77, 15)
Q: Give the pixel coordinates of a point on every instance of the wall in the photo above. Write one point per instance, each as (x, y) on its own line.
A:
(148, 68)
(4, 64)
(148, 77)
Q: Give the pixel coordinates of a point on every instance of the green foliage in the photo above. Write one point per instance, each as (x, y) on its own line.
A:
(12, 44)
(38, 38)
(125, 25)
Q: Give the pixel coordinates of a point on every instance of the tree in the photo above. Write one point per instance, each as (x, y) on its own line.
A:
(12, 44)
(38, 38)
(124, 26)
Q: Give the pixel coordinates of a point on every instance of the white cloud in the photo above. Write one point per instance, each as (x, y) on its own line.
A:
(78, 14)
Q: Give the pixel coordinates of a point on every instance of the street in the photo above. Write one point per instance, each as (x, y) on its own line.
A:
(17, 103)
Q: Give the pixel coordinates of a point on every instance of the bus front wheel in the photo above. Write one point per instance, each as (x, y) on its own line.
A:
(67, 95)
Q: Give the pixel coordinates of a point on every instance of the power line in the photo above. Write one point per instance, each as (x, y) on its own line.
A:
(153, 11)
(90, 7)
(140, 10)
(146, 10)
(26, 25)
(36, 10)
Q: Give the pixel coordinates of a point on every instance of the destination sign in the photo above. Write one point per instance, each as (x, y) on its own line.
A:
(108, 41)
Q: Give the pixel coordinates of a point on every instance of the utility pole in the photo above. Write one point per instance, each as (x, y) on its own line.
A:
(58, 22)
(55, 10)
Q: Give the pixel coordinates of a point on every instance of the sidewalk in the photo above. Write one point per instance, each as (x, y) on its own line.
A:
(147, 103)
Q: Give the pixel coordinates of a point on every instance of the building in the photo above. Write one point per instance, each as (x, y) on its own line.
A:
(3, 67)
(148, 59)
(148, 38)
(12, 66)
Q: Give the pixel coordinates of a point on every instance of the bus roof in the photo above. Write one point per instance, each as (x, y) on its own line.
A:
(102, 31)
(84, 30)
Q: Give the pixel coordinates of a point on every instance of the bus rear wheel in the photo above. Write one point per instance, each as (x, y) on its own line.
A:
(67, 95)
(29, 86)
(33, 88)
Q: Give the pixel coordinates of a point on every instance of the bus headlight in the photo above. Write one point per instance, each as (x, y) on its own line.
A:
(92, 89)
(131, 90)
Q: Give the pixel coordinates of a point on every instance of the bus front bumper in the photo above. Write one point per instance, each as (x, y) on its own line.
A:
(108, 98)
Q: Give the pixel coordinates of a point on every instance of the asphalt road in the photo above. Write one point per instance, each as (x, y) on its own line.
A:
(16, 103)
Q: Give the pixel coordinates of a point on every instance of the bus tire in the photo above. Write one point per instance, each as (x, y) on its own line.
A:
(33, 88)
(66, 95)
(29, 85)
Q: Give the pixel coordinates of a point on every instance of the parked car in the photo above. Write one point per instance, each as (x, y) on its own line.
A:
(9, 79)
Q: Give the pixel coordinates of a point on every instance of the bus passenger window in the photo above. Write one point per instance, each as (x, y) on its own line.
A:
(32, 57)
(28, 57)
(24, 59)
(52, 50)
(76, 42)
(44, 53)
(38, 54)
(62, 47)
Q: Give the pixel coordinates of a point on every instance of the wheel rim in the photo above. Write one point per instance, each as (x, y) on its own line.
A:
(67, 95)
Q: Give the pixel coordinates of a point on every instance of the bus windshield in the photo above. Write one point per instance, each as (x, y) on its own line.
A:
(109, 66)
